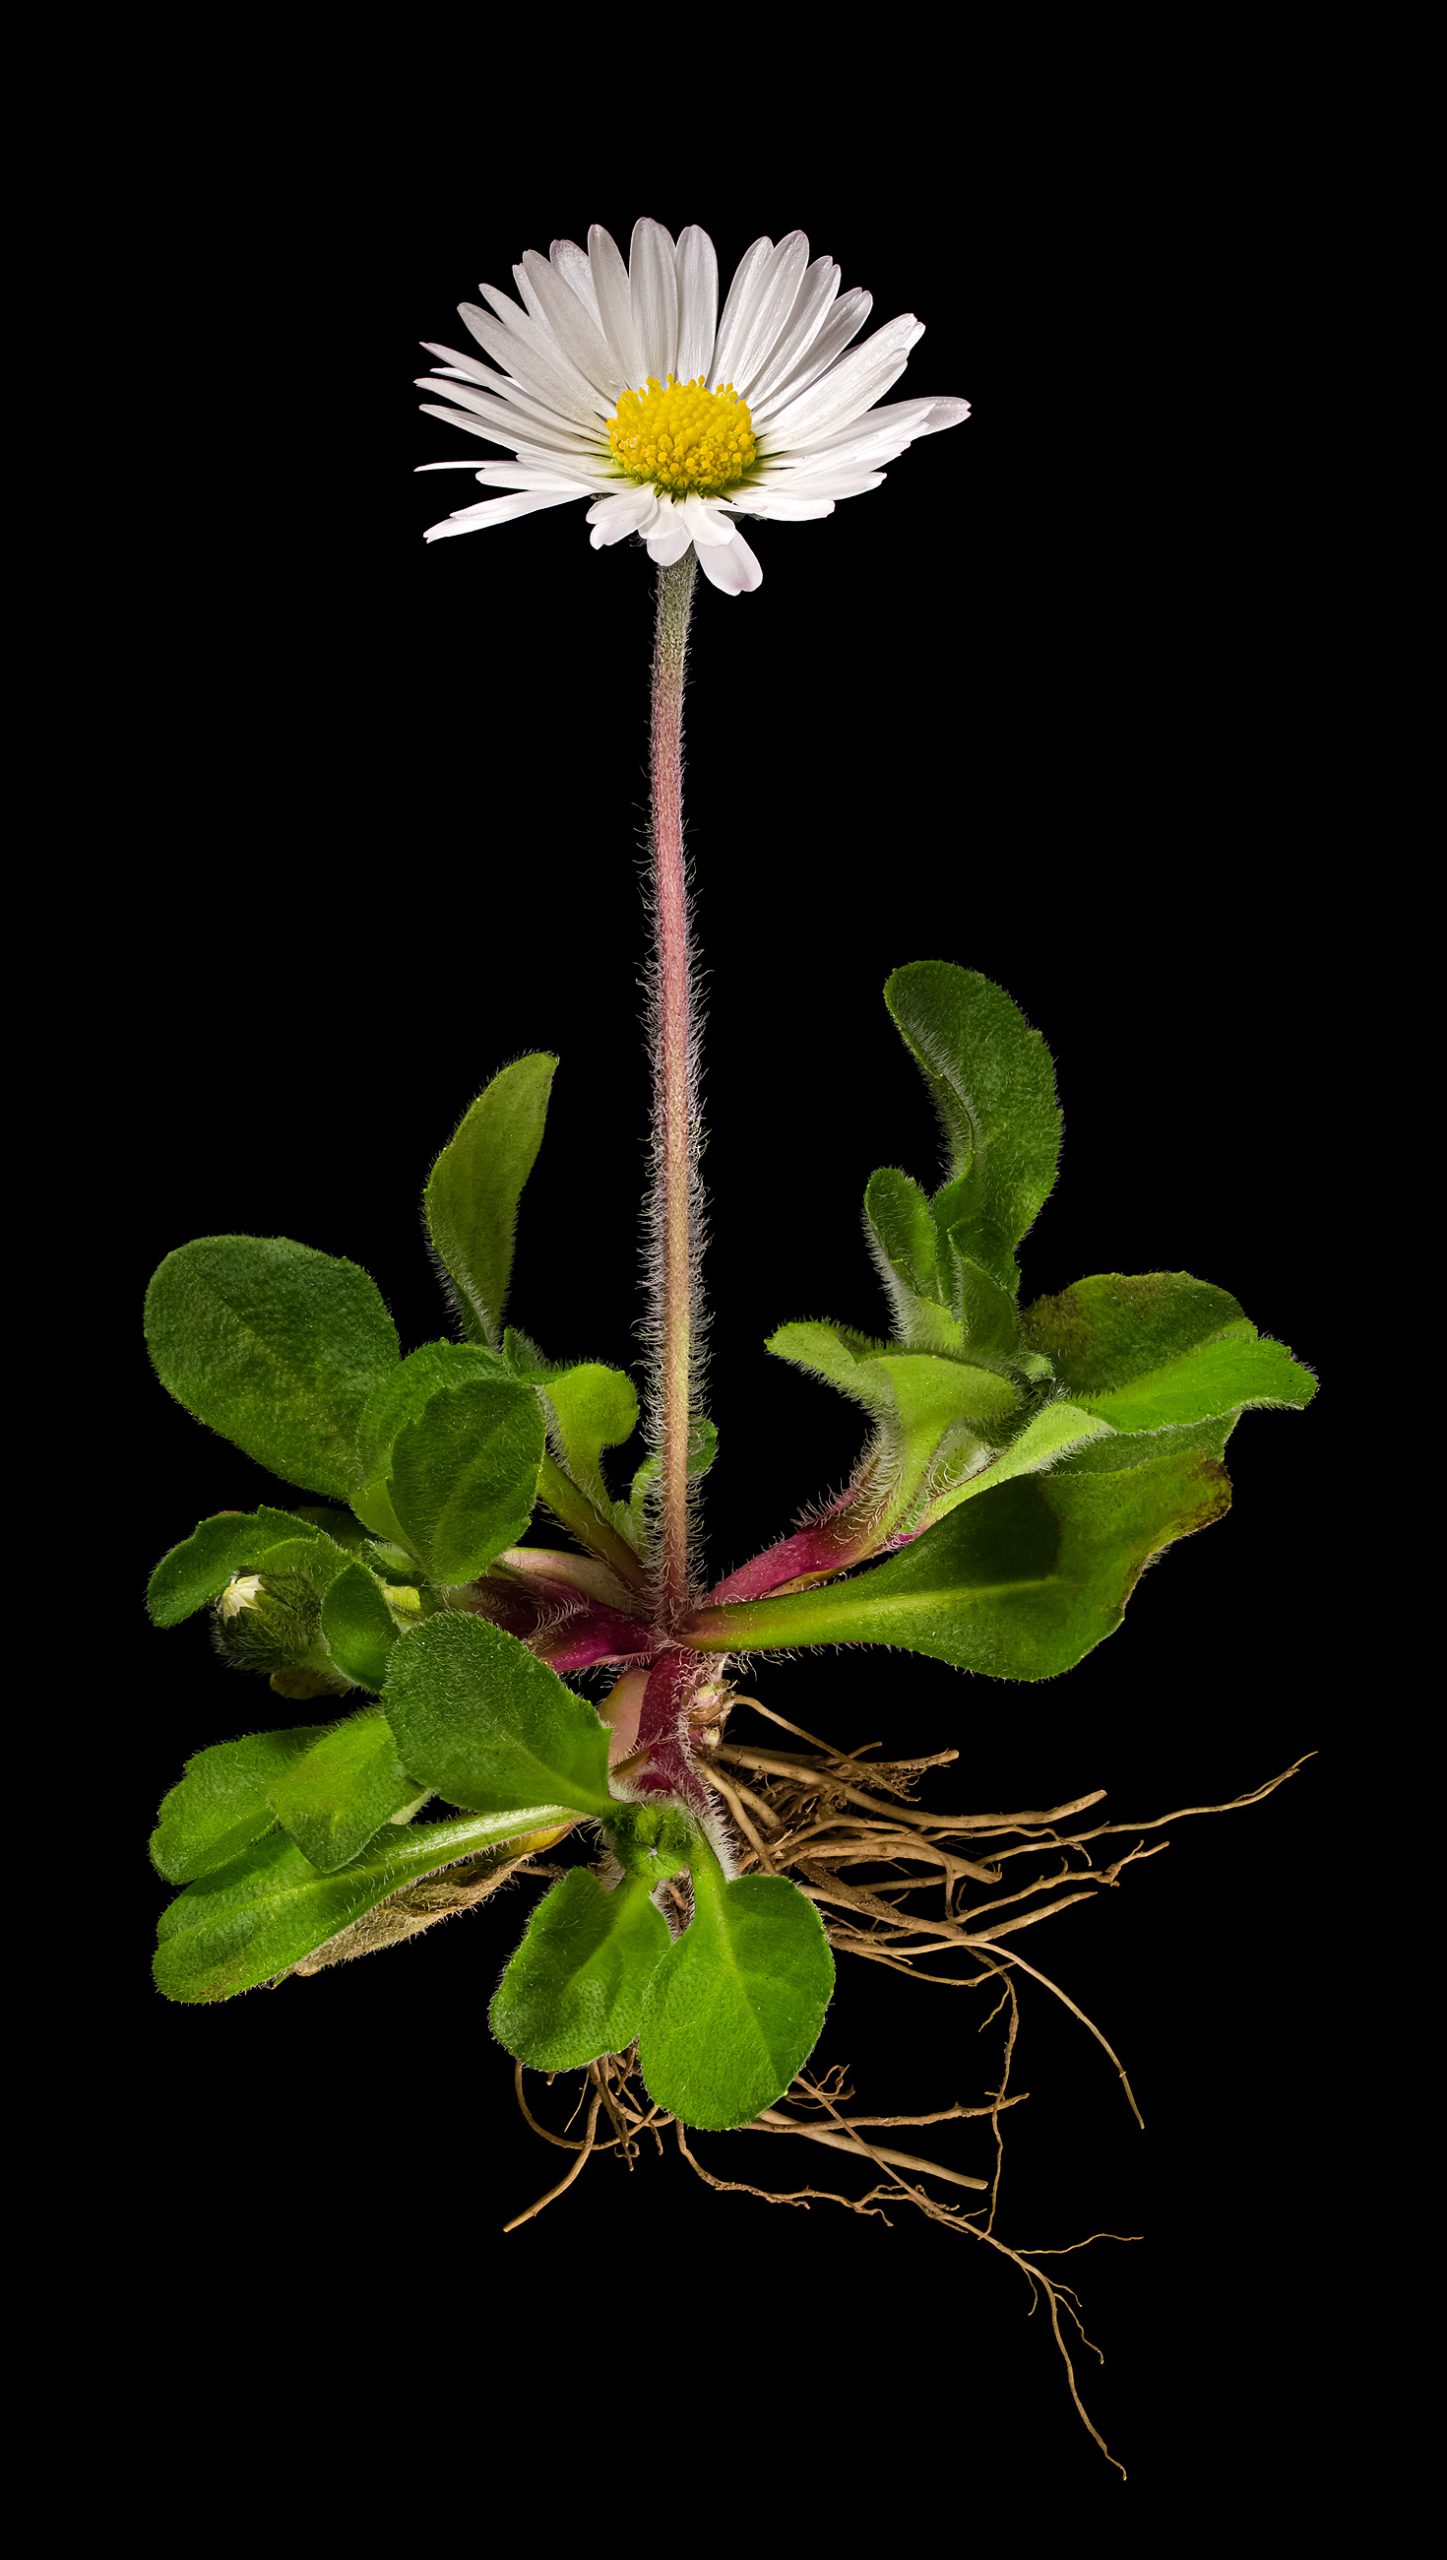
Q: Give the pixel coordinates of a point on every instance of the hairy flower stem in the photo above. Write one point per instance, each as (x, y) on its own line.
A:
(674, 1206)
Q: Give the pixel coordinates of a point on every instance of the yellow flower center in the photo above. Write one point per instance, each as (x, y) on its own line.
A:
(684, 438)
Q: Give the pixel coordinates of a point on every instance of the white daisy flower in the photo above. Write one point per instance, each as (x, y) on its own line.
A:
(627, 386)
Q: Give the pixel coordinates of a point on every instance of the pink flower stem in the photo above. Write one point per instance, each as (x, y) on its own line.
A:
(674, 1206)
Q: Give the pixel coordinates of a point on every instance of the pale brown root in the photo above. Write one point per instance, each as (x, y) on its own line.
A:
(584, 2152)
(899, 1885)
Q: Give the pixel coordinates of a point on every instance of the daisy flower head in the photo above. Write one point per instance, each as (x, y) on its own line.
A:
(627, 385)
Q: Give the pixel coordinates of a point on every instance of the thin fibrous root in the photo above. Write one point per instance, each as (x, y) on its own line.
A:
(901, 1886)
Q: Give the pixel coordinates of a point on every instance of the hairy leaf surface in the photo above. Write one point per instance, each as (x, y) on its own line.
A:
(276, 1347)
(481, 1720)
(266, 1911)
(474, 1188)
(735, 2007)
(574, 1989)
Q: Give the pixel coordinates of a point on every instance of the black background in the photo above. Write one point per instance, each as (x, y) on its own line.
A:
(1045, 704)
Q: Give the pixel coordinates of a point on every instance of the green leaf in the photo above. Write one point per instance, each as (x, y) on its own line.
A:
(735, 2008)
(991, 1081)
(341, 1527)
(336, 1798)
(464, 1476)
(481, 1720)
(310, 1559)
(223, 1802)
(275, 1346)
(593, 1409)
(1049, 1436)
(200, 1568)
(358, 1626)
(405, 1393)
(934, 1415)
(575, 1988)
(270, 1909)
(1160, 1348)
(1021, 1581)
(907, 1249)
(473, 1192)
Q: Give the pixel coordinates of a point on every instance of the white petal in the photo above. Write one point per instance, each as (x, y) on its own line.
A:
(783, 510)
(696, 261)
(880, 434)
(575, 331)
(572, 265)
(739, 301)
(844, 323)
(613, 519)
(515, 421)
(811, 309)
(653, 290)
(544, 475)
(669, 538)
(534, 359)
(528, 294)
(746, 341)
(849, 387)
(457, 362)
(615, 305)
(704, 522)
(502, 304)
(815, 484)
(499, 511)
(733, 569)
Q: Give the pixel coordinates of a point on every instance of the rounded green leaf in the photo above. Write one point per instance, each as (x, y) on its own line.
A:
(735, 2008)
(405, 1393)
(222, 1804)
(483, 1722)
(336, 1798)
(200, 1568)
(575, 1988)
(463, 1477)
(276, 1347)
(1154, 1349)
(358, 1626)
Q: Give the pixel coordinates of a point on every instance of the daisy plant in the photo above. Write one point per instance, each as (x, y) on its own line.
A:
(454, 1550)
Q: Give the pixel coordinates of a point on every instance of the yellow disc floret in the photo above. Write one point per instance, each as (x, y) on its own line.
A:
(693, 442)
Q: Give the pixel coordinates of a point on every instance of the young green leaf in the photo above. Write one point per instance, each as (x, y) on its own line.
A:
(358, 1627)
(1050, 1435)
(593, 1409)
(200, 1568)
(337, 1797)
(1021, 1581)
(405, 1393)
(906, 1248)
(223, 1802)
(991, 1081)
(275, 1346)
(932, 1414)
(1160, 1348)
(575, 1988)
(473, 1192)
(735, 2008)
(463, 1477)
(256, 1918)
(483, 1722)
